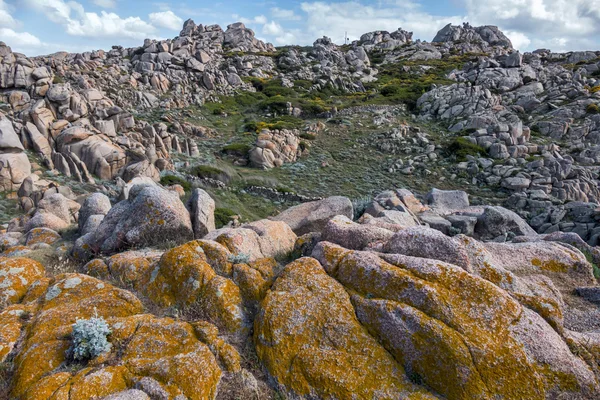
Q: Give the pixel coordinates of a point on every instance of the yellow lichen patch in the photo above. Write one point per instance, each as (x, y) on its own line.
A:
(309, 339)
(550, 265)
(16, 251)
(67, 298)
(169, 351)
(227, 355)
(16, 275)
(11, 322)
(132, 267)
(179, 277)
(42, 235)
(48, 386)
(217, 256)
(460, 315)
(97, 268)
(141, 346)
(255, 278)
(36, 290)
(222, 303)
(97, 383)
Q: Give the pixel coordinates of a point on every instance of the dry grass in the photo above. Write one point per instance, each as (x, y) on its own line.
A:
(54, 264)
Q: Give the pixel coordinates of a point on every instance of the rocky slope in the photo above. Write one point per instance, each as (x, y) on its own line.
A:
(193, 195)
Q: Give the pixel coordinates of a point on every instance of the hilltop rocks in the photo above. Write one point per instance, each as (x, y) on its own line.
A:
(488, 34)
(313, 216)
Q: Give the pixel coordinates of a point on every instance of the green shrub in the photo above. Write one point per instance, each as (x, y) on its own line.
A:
(463, 147)
(240, 149)
(223, 216)
(308, 136)
(169, 180)
(210, 172)
(89, 339)
(592, 109)
(240, 258)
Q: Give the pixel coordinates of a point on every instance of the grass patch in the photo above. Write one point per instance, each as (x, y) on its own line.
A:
(239, 149)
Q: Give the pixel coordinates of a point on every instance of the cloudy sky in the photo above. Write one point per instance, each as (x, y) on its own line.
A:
(38, 27)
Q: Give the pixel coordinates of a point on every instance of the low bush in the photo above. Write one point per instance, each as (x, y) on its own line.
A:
(592, 109)
(223, 216)
(210, 172)
(463, 147)
(89, 339)
(238, 149)
(169, 180)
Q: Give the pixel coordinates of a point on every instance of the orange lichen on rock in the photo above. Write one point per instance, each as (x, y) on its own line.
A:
(165, 350)
(254, 278)
(310, 341)
(454, 330)
(16, 275)
(42, 235)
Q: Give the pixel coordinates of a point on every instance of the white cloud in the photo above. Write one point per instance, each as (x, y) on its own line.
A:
(6, 19)
(258, 20)
(19, 41)
(78, 22)
(286, 15)
(519, 40)
(559, 24)
(166, 19)
(105, 3)
(272, 28)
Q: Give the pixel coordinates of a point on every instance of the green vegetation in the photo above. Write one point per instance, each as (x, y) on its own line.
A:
(210, 172)
(223, 216)
(463, 147)
(169, 180)
(592, 109)
(238, 149)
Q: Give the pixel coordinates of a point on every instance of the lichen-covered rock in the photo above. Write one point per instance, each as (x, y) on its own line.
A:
(16, 276)
(41, 235)
(254, 278)
(455, 330)
(143, 346)
(310, 341)
(312, 216)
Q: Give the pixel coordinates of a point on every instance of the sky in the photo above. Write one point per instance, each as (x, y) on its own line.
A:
(37, 27)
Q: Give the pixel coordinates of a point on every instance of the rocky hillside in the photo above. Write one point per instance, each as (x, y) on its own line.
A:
(211, 217)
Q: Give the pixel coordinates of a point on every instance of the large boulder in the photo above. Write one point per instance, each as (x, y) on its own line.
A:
(101, 157)
(308, 337)
(463, 336)
(499, 222)
(14, 168)
(313, 216)
(149, 217)
(343, 231)
(446, 201)
(9, 140)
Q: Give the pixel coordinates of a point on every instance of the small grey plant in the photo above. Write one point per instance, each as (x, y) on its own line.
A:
(89, 339)
(240, 258)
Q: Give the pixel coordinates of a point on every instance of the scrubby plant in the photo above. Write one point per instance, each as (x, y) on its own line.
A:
(89, 339)
(360, 205)
(169, 180)
(240, 149)
(223, 216)
(463, 147)
(592, 109)
(210, 172)
(240, 258)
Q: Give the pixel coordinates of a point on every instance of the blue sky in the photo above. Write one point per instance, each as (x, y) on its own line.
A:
(38, 27)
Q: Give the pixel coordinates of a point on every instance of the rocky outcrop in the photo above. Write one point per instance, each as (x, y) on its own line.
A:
(313, 216)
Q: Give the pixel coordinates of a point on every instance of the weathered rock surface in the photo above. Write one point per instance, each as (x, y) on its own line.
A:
(312, 216)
